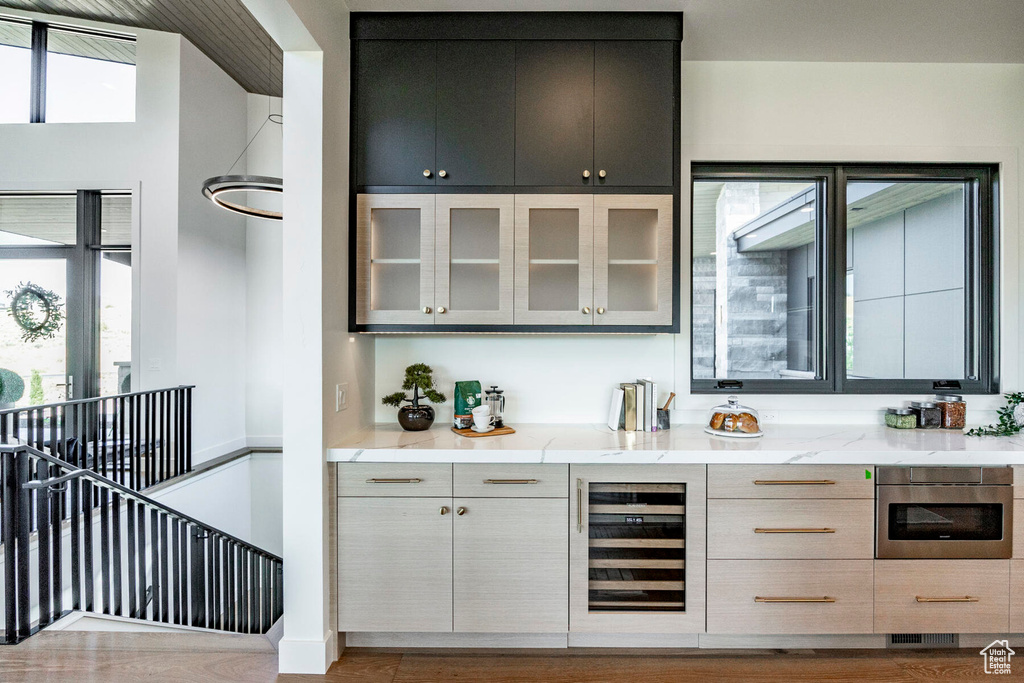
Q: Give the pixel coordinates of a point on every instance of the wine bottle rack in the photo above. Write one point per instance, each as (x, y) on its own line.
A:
(637, 547)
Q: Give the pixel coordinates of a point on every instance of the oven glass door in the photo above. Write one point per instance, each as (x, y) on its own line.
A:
(945, 521)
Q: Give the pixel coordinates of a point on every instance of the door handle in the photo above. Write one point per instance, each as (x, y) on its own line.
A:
(824, 598)
(763, 530)
(966, 598)
(511, 481)
(793, 482)
(393, 481)
(579, 506)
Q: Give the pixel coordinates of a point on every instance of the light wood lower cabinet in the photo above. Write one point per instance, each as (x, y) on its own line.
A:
(942, 596)
(511, 565)
(790, 481)
(1017, 596)
(394, 564)
(790, 596)
(790, 529)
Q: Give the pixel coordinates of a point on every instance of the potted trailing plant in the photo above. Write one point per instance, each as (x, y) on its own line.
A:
(414, 417)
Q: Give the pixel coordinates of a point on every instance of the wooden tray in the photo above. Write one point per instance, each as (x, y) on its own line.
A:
(497, 431)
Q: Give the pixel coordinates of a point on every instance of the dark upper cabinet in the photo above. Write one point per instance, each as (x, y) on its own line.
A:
(554, 113)
(394, 109)
(634, 105)
(476, 104)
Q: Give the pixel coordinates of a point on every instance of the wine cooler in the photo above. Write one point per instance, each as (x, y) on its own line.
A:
(637, 548)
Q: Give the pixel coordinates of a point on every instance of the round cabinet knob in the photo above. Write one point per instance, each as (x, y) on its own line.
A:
(460, 511)
(428, 309)
(426, 173)
(602, 173)
(442, 309)
(444, 511)
(443, 173)
(586, 173)
(600, 310)
(586, 310)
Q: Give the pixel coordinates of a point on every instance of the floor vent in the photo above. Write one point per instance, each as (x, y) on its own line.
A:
(920, 640)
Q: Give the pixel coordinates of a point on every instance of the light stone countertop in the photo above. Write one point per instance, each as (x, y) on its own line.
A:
(576, 443)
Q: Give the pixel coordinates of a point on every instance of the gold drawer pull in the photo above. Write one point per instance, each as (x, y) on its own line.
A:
(966, 598)
(825, 598)
(393, 481)
(794, 531)
(794, 482)
(511, 481)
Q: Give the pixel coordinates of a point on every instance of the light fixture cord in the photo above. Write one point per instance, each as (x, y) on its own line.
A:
(270, 116)
(251, 140)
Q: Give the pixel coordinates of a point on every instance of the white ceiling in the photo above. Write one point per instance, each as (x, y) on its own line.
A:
(953, 31)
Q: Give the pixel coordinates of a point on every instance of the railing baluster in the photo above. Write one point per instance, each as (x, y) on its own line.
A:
(87, 544)
(232, 597)
(165, 583)
(43, 545)
(104, 548)
(154, 561)
(76, 544)
(21, 554)
(188, 428)
(143, 583)
(198, 578)
(121, 441)
(56, 538)
(12, 558)
(133, 603)
(116, 551)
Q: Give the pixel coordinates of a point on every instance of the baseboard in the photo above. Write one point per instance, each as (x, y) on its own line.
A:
(264, 441)
(307, 656)
(457, 640)
(730, 641)
(634, 640)
(199, 456)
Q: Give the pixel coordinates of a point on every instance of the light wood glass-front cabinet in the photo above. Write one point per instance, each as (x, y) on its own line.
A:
(459, 261)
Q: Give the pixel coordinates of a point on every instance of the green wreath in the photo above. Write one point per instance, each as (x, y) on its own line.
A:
(36, 310)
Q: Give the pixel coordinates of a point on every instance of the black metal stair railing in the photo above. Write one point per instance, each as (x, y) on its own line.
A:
(138, 440)
(118, 552)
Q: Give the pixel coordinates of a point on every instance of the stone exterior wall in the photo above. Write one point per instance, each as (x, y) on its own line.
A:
(704, 317)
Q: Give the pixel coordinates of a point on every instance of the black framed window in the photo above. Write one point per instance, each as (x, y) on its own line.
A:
(62, 74)
(844, 279)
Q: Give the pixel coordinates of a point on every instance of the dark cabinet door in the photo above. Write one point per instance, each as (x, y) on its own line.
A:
(554, 112)
(476, 106)
(634, 101)
(394, 108)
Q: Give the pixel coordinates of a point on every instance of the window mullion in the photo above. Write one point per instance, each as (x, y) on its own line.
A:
(836, 245)
(37, 100)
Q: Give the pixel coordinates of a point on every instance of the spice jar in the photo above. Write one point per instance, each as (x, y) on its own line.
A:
(928, 414)
(953, 410)
(900, 418)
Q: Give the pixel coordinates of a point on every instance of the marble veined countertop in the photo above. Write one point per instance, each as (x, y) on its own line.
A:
(581, 443)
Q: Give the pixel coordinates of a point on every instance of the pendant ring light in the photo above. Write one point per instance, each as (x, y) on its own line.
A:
(214, 189)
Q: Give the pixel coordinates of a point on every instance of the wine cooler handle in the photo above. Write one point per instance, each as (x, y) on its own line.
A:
(579, 506)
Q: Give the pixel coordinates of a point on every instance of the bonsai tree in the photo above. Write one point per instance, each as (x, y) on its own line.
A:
(417, 377)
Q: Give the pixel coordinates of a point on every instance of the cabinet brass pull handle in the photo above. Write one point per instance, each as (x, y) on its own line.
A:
(444, 511)
(579, 506)
(443, 173)
(460, 511)
(426, 173)
(824, 598)
(442, 309)
(600, 310)
(586, 310)
(428, 309)
(794, 482)
(966, 598)
(511, 481)
(823, 530)
(602, 173)
(393, 481)
(586, 173)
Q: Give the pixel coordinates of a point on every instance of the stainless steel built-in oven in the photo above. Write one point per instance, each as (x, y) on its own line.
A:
(944, 512)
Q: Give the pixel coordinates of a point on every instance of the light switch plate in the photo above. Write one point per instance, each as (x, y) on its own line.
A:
(340, 397)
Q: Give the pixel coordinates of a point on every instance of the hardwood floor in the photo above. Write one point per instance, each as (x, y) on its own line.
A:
(150, 658)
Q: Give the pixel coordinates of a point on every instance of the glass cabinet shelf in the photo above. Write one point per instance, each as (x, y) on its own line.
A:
(637, 547)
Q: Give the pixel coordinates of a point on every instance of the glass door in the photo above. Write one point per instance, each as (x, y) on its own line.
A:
(395, 259)
(474, 262)
(633, 259)
(33, 348)
(554, 258)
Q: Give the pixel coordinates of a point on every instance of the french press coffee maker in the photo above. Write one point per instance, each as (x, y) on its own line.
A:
(495, 399)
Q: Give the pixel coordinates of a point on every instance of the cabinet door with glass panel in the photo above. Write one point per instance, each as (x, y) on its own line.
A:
(633, 259)
(395, 259)
(554, 256)
(474, 263)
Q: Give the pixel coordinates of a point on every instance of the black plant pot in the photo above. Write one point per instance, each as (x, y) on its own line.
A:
(415, 419)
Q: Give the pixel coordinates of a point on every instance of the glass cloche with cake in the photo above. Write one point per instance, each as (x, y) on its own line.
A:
(733, 419)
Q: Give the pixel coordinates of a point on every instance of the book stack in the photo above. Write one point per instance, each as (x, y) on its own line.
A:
(634, 407)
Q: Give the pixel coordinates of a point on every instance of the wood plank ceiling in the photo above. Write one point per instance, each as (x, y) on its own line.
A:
(223, 30)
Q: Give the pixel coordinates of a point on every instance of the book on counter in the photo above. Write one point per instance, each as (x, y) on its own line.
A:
(634, 406)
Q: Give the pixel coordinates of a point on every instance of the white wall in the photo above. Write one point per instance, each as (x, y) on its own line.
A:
(266, 360)
(211, 306)
(762, 111)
